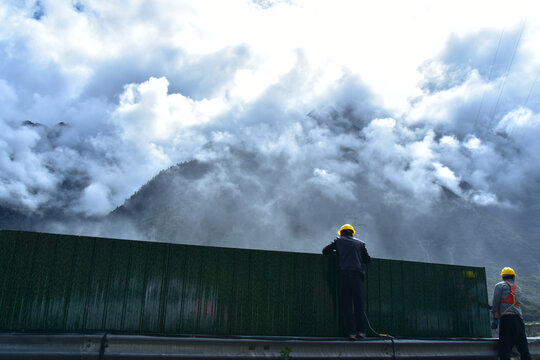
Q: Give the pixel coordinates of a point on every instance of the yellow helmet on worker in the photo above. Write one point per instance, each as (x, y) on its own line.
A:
(508, 271)
(346, 227)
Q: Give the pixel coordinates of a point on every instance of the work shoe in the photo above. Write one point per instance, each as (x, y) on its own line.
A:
(361, 335)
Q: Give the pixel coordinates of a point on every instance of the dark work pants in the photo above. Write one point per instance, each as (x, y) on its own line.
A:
(350, 289)
(512, 332)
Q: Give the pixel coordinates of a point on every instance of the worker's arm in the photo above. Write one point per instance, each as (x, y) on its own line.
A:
(496, 304)
(330, 248)
(366, 259)
(496, 307)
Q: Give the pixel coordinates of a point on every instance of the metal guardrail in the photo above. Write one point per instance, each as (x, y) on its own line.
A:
(15, 346)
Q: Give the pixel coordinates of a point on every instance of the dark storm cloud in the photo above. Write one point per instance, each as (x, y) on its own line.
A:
(79, 6)
(196, 78)
(39, 11)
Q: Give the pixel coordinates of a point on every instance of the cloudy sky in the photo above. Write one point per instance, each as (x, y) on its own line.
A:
(98, 96)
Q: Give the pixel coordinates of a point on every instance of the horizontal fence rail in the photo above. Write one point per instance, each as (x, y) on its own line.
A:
(15, 346)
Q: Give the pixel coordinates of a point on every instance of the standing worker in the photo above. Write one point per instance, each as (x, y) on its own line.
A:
(507, 316)
(352, 260)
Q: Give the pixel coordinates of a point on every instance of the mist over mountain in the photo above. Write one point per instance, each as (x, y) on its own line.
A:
(241, 201)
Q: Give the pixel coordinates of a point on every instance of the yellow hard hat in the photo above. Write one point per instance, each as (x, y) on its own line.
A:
(346, 227)
(508, 271)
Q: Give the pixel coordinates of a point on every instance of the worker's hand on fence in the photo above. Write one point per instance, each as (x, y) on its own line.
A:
(495, 324)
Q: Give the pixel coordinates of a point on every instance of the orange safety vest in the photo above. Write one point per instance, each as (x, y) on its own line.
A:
(511, 298)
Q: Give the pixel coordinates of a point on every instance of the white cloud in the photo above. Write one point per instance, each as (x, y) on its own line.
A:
(95, 200)
(446, 177)
(473, 143)
(484, 199)
(8, 96)
(148, 113)
(522, 127)
(143, 87)
(449, 142)
(520, 122)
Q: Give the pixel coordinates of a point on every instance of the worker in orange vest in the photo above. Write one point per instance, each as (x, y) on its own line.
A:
(508, 317)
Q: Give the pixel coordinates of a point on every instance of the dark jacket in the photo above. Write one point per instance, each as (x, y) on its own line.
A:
(352, 253)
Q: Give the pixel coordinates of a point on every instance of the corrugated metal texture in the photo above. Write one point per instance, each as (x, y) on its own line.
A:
(70, 283)
(417, 299)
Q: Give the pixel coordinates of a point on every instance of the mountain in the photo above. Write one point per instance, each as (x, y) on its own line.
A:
(243, 202)
(246, 201)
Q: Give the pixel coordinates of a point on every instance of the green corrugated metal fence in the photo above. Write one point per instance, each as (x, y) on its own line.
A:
(67, 283)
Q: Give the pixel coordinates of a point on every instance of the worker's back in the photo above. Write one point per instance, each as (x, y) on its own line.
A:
(502, 291)
(351, 252)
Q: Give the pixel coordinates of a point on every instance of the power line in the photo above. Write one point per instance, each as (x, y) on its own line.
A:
(489, 79)
(531, 89)
(507, 72)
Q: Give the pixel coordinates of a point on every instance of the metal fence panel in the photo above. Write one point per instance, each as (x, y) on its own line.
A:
(60, 283)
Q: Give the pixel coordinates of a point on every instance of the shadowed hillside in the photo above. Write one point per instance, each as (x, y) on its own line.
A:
(215, 204)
